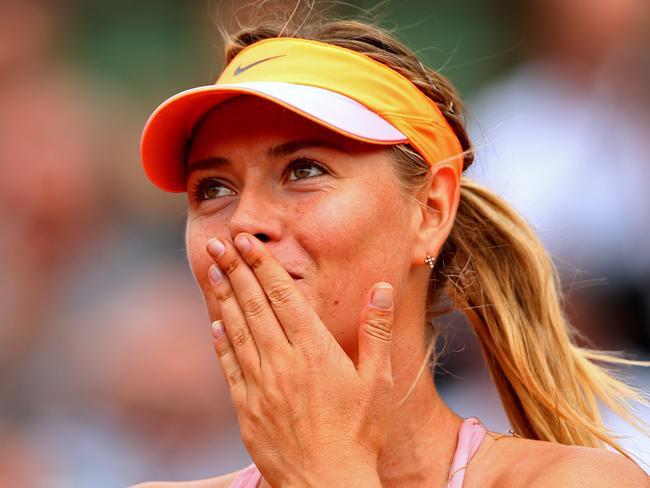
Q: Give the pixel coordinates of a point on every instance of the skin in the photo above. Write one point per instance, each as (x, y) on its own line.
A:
(317, 374)
(316, 228)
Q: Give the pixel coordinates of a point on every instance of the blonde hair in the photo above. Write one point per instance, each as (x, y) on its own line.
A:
(492, 267)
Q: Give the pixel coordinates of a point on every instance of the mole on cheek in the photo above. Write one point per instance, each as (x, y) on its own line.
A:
(336, 302)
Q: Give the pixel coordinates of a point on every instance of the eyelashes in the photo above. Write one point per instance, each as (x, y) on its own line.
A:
(302, 164)
(201, 189)
(209, 188)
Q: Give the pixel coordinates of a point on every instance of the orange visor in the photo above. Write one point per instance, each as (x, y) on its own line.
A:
(338, 88)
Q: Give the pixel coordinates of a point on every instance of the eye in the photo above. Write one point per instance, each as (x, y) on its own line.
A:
(301, 169)
(210, 188)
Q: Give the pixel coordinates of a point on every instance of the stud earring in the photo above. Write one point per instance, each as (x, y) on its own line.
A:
(430, 260)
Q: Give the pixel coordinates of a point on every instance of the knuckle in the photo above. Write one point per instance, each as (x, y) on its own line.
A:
(257, 261)
(234, 376)
(386, 315)
(274, 399)
(254, 306)
(230, 265)
(311, 351)
(223, 349)
(240, 337)
(379, 327)
(223, 294)
(279, 293)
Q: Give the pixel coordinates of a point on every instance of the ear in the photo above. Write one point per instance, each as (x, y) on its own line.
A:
(439, 201)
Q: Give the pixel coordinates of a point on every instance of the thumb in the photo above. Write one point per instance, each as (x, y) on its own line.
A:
(375, 333)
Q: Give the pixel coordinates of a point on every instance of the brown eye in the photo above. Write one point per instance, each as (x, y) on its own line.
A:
(305, 169)
(212, 188)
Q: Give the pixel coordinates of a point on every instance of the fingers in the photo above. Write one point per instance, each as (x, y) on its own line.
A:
(297, 318)
(238, 332)
(255, 317)
(232, 373)
(376, 333)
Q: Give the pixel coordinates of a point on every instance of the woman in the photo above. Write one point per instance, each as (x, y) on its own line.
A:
(328, 223)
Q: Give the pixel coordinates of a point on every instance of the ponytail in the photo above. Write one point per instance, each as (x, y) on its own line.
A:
(495, 269)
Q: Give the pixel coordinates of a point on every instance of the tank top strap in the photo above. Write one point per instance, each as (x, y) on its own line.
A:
(249, 477)
(470, 437)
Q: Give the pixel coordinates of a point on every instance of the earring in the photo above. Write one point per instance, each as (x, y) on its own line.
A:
(430, 260)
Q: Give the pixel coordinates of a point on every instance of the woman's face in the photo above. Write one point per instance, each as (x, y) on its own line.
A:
(329, 208)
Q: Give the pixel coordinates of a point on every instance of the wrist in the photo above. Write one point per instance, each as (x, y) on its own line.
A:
(366, 478)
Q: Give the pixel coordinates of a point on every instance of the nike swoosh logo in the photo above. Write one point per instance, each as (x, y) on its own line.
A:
(240, 69)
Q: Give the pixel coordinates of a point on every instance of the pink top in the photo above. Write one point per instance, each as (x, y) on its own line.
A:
(470, 436)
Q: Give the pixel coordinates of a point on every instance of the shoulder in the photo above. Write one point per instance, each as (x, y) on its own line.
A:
(223, 481)
(583, 466)
(537, 464)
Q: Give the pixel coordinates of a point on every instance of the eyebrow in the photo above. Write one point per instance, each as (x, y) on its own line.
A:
(207, 163)
(293, 146)
(273, 152)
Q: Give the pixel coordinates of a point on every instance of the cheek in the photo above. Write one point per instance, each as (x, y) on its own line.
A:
(197, 234)
(196, 237)
(353, 241)
(357, 231)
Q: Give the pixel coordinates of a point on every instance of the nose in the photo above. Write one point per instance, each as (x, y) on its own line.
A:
(257, 213)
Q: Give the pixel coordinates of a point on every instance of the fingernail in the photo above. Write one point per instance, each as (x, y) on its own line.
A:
(215, 273)
(382, 297)
(242, 243)
(217, 329)
(216, 247)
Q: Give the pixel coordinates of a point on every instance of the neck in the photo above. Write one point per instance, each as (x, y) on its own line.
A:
(422, 433)
(423, 430)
